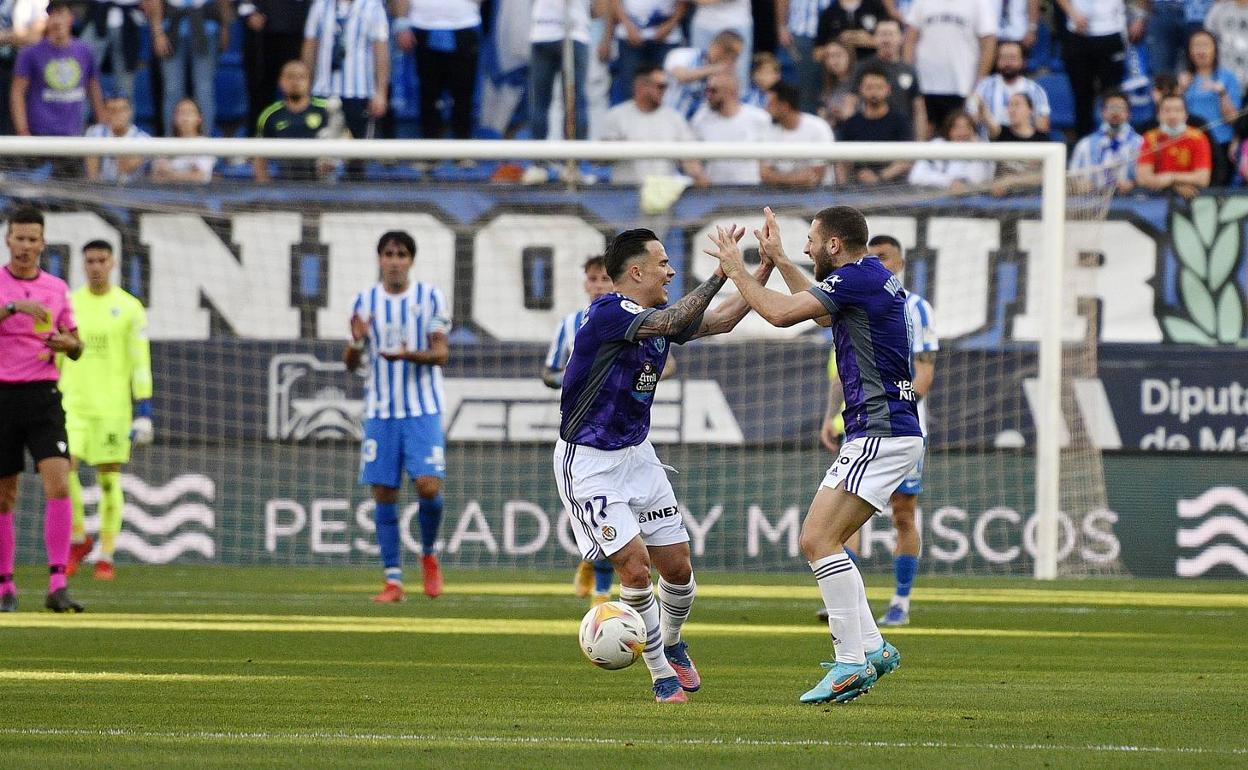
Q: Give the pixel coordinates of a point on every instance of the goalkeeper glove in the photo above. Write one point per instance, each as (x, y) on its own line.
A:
(141, 431)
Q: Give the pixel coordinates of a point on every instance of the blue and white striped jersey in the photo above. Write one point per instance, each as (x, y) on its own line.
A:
(1106, 156)
(995, 92)
(397, 389)
(924, 340)
(804, 16)
(345, 31)
(561, 344)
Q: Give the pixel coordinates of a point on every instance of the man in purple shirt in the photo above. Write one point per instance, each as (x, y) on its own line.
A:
(865, 305)
(615, 489)
(55, 80)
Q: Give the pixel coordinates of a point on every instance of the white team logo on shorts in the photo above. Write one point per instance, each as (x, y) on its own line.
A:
(608, 533)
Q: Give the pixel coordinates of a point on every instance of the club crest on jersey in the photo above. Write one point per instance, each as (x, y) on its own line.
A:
(647, 379)
(660, 343)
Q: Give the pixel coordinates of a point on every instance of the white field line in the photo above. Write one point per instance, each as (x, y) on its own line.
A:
(509, 740)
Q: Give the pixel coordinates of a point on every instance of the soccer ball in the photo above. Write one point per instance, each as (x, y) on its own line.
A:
(613, 635)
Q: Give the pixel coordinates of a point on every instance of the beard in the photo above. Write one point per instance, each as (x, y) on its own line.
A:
(1010, 74)
(823, 268)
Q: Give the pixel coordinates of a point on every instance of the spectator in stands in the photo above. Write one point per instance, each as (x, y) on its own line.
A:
(1020, 21)
(764, 73)
(992, 94)
(645, 30)
(445, 36)
(346, 48)
(851, 23)
(188, 123)
(55, 82)
(1166, 34)
(688, 69)
(21, 24)
(710, 17)
(1021, 127)
(546, 61)
(1212, 93)
(118, 124)
(797, 23)
(904, 84)
(645, 119)
(1106, 157)
(1228, 21)
(955, 175)
(190, 33)
(1175, 156)
(273, 35)
(1094, 52)
(115, 28)
(298, 115)
(723, 118)
(837, 101)
(791, 125)
(875, 121)
(950, 43)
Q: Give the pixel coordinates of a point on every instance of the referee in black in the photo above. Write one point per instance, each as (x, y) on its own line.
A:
(36, 323)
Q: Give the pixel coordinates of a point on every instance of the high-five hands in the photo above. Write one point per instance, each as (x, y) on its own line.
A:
(727, 250)
(770, 249)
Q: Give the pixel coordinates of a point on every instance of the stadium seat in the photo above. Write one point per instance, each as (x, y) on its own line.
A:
(231, 95)
(1061, 100)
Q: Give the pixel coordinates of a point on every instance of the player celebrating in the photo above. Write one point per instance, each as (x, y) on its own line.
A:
(36, 323)
(612, 483)
(905, 501)
(114, 372)
(590, 575)
(399, 327)
(867, 309)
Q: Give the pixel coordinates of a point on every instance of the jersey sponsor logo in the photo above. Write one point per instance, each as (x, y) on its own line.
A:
(646, 380)
(905, 391)
(656, 515)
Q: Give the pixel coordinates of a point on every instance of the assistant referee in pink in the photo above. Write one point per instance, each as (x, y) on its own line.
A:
(36, 323)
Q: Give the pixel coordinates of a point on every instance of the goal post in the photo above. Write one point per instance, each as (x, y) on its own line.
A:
(1048, 306)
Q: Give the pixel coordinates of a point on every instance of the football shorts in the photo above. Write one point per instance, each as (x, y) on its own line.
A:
(99, 440)
(615, 495)
(394, 445)
(31, 420)
(873, 467)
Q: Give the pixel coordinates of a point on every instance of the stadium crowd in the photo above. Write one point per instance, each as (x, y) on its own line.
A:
(1154, 85)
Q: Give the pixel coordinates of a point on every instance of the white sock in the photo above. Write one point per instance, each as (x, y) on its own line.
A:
(674, 603)
(871, 639)
(839, 583)
(900, 601)
(642, 600)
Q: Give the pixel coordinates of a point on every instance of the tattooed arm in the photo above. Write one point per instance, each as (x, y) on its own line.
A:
(727, 314)
(673, 320)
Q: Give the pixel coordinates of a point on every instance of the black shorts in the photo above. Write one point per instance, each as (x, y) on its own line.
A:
(31, 419)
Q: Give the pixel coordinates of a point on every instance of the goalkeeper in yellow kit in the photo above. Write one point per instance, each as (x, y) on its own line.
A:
(107, 395)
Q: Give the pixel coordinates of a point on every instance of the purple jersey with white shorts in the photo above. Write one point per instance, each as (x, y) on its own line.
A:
(608, 385)
(874, 339)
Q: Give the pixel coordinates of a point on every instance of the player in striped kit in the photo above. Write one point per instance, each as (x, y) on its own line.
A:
(104, 391)
(905, 501)
(399, 332)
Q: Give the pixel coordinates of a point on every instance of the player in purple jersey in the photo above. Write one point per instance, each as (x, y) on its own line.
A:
(865, 305)
(617, 494)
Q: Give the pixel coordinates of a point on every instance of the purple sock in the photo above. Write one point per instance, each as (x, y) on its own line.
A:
(8, 549)
(57, 524)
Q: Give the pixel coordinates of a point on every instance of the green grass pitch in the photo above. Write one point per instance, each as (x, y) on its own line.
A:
(260, 667)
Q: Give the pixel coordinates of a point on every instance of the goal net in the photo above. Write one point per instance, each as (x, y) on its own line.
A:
(248, 290)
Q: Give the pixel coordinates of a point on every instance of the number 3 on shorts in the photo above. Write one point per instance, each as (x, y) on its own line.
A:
(368, 451)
